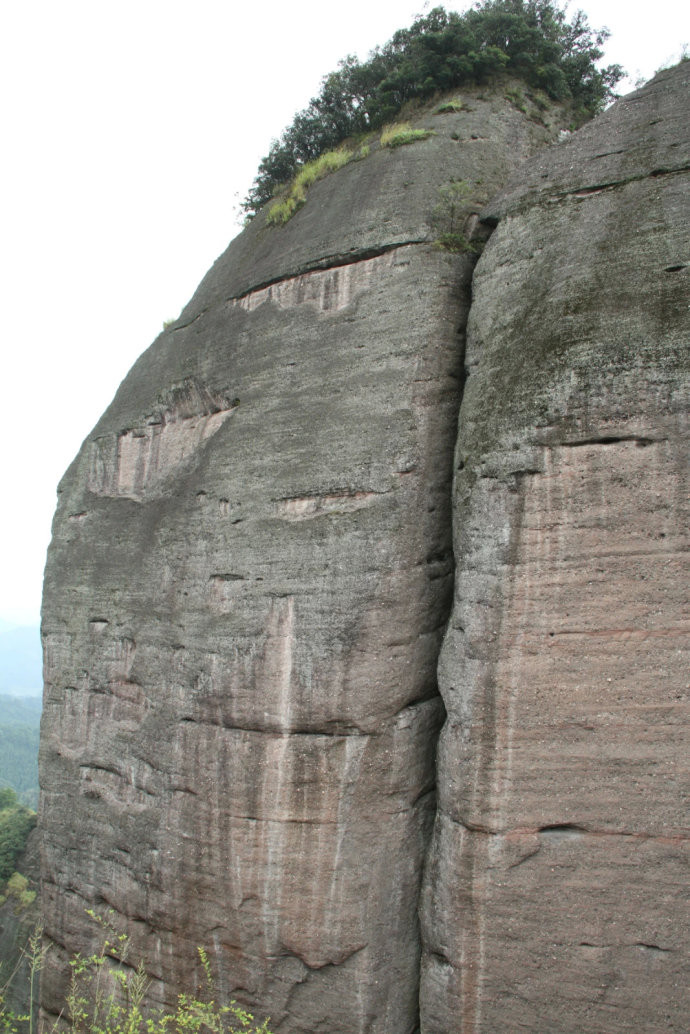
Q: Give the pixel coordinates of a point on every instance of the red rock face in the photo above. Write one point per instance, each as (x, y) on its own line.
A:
(242, 707)
(248, 584)
(552, 896)
(251, 577)
(563, 831)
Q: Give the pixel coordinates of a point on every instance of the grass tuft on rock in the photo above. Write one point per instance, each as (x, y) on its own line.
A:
(284, 208)
(401, 133)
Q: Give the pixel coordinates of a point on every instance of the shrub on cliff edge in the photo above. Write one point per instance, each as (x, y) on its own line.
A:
(527, 39)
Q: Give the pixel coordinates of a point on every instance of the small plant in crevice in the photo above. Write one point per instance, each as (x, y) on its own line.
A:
(449, 218)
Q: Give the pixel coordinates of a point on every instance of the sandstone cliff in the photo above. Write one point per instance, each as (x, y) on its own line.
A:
(252, 570)
(553, 892)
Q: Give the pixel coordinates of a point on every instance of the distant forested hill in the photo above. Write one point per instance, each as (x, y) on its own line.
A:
(20, 661)
(19, 728)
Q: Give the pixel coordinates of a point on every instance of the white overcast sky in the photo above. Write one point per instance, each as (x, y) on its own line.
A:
(129, 131)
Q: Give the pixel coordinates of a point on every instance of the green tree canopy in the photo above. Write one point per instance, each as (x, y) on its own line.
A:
(530, 39)
(16, 822)
(19, 736)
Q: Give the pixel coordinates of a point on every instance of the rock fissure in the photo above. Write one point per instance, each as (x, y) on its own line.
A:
(627, 633)
(177, 326)
(567, 830)
(278, 731)
(555, 197)
(611, 440)
(329, 262)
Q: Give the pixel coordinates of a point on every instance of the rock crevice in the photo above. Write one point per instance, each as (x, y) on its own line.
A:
(562, 669)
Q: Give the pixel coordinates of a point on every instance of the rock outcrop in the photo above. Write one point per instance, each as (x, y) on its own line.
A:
(250, 575)
(252, 571)
(552, 895)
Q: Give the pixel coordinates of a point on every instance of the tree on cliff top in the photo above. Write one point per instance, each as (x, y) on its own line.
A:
(529, 39)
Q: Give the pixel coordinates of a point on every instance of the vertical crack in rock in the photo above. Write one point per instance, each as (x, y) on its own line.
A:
(463, 315)
(559, 842)
(280, 707)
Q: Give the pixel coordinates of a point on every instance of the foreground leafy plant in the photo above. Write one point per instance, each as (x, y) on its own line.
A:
(106, 996)
(12, 1022)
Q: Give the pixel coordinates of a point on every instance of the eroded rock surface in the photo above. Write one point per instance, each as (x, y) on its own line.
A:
(553, 895)
(251, 574)
(249, 578)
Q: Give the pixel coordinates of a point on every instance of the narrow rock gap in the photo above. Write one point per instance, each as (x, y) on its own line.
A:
(612, 440)
(465, 307)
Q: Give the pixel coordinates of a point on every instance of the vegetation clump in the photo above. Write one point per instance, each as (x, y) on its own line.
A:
(16, 822)
(17, 890)
(401, 133)
(106, 996)
(296, 195)
(450, 107)
(517, 99)
(527, 39)
(450, 215)
(19, 733)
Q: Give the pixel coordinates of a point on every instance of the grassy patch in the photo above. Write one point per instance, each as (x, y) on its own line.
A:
(451, 106)
(517, 99)
(284, 208)
(400, 133)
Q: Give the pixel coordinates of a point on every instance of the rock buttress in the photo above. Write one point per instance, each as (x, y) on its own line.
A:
(554, 897)
(250, 573)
